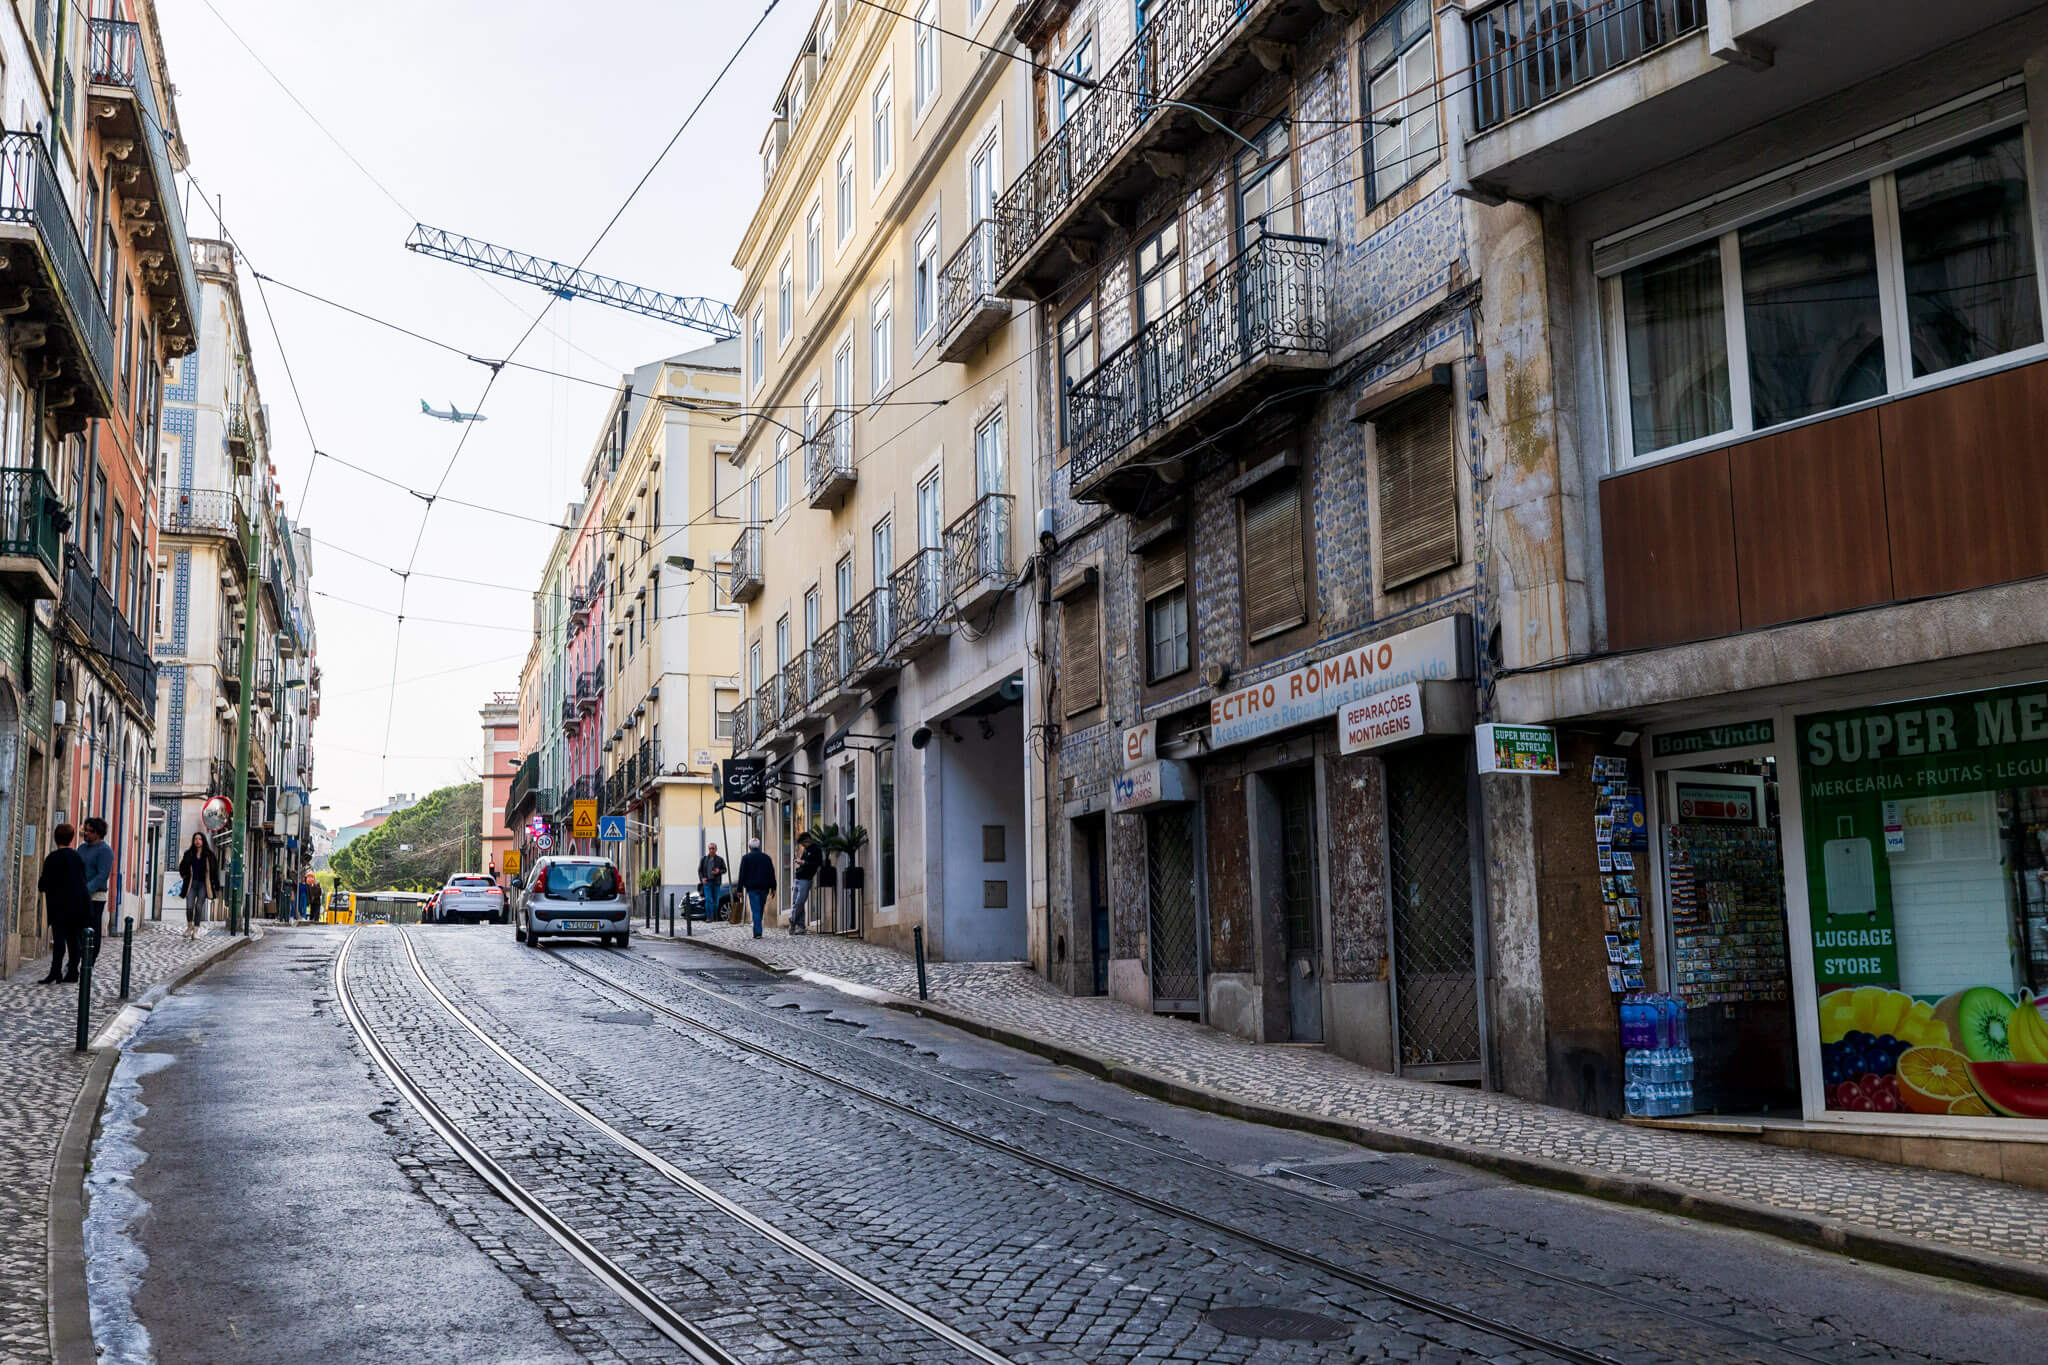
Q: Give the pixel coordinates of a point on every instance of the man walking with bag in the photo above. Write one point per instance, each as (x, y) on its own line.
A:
(757, 879)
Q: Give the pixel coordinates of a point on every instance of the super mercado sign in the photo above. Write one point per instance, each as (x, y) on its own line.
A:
(1966, 743)
(1437, 652)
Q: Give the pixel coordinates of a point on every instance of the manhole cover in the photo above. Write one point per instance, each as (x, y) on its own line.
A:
(1276, 1324)
(622, 1017)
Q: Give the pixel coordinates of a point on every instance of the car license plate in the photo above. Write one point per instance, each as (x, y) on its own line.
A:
(578, 924)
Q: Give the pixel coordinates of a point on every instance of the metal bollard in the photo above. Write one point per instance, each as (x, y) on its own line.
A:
(127, 951)
(688, 932)
(671, 914)
(92, 952)
(917, 940)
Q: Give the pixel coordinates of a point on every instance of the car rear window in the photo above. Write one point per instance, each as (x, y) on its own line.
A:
(582, 881)
(472, 883)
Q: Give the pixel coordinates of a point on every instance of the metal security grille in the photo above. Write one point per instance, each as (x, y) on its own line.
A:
(1430, 882)
(1170, 873)
(1298, 848)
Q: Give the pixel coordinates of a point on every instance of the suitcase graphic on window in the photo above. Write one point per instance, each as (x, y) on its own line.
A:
(1850, 871)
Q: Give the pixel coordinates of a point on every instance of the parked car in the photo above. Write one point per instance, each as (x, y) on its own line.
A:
(469, 896)
(578, 897)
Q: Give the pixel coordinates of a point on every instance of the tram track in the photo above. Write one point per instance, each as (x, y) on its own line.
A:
(1453, 1244)
(637, 1295)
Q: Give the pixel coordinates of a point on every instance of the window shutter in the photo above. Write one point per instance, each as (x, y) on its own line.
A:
(1275, 587)
(1081, 652)
(1418, 490)
(1165, 568)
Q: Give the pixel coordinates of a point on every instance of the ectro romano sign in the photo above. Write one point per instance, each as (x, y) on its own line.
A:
(1436, 652)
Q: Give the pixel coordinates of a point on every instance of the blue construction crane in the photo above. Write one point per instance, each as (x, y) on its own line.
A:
(568, 282)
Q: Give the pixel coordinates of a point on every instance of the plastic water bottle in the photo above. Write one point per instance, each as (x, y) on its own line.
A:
(1636, 1096)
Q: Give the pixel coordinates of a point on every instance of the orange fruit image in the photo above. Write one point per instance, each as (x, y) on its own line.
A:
(1933, 1079)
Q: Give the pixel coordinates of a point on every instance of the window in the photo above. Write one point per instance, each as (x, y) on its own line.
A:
(813, 622)
(1164, 576)
(842, 193)
(157, 597)
(924, 281)
(931, 518)
(881, 344)
(781, 472)
(984, 187)
(93, 524)
(727, 479)
(1783, 318)
(924, 43)
(882, 124)
(883, 544)
(127, 338)
(1158, 266)
(1400, 87)
(759, 350)
(724, 702)
(721, 582)
(814, 250)
(1067, 95)
(785, 301)
(842, 374)
(754, 666)
(988, 456)
(1077, 358)
(1080, 670)
(1265, 185)
(828, 33)
(1417, 466)
(842, 586)
(1275, 584)
(797, 96)
(885, 827)
(654, 596)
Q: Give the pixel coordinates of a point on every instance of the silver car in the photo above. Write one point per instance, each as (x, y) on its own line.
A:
(572, 898)
(470, 896)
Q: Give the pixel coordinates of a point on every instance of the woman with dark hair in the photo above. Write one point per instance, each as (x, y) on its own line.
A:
(201, 870)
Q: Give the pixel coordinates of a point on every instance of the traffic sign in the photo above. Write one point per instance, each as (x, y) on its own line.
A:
(510, 858)
(543, 841)
(612, 828)
(583, 820)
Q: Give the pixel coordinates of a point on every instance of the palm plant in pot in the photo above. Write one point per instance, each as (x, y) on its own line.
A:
(830, 842)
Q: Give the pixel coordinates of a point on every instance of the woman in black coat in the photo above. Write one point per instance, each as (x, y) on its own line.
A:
(201, 871)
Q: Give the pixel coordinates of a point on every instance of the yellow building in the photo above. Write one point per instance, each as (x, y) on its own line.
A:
(672, 643)
(889, 500)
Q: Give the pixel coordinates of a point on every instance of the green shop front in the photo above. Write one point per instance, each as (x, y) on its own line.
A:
(1852, 904)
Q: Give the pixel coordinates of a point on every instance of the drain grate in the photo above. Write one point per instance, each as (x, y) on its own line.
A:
(1276, 1324)
(622, 1017)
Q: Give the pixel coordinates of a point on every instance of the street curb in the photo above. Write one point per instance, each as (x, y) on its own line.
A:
(1980, 1269)
(71, 1341)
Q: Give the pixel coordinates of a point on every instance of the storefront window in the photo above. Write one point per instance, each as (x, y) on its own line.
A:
(1927, 874)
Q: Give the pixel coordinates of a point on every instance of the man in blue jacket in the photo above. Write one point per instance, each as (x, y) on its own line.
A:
(757, 879)
(98, 857)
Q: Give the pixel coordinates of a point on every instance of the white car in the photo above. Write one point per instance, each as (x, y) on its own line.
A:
(572, 898)
(470, 896)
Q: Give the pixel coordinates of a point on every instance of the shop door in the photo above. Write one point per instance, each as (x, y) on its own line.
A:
(1429, 873)
(1170, 883)
(1097, 872)
(1297, 796)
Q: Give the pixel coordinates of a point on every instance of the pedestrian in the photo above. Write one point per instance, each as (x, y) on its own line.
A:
(98, 856)
(710, 878)
(810, 858)
(316, 900)
(200, 868)
(757, 879)
(66, 903)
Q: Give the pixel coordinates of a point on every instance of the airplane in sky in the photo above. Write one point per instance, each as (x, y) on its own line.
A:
(454, 414)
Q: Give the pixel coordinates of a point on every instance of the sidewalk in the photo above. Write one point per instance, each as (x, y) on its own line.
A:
(42, 1079)
(1983, 1231)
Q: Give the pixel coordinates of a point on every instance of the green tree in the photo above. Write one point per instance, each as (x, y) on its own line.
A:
(419, 848)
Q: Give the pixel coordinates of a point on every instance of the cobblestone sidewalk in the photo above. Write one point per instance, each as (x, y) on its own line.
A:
(42, 1075)
(1954, 1211)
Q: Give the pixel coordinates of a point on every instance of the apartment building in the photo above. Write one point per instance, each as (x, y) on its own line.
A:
(498, 766)
(547, 693)
(884, 523)
(1796, 303)
(673, 632)
(585, 641)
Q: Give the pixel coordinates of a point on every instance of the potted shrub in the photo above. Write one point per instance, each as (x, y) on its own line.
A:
(831, 844)
(851, 841)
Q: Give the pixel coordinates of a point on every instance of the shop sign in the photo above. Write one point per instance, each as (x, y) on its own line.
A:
(1141, 743)
(1743, 735)
(1715, 803)
(583, 820)
(1528, 750)
(1436, 652)
(1380, 719)
(1163, 781)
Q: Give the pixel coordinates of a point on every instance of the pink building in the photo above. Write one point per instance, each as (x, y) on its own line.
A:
(502, 752)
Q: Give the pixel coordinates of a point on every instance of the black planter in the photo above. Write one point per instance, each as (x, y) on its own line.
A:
(828, 875)
(856, 879)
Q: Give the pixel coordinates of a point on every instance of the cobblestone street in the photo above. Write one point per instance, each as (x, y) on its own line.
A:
(907, 1181)
(44, 1074)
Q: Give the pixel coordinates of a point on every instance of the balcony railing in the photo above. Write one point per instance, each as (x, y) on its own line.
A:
(220, 779)
(241, 436)
(1527, 51)
(116, 59)
(32, 519)
(590, 689)
(828, 664)
(93, 613)
(918, 602)
(207, 512)
(746, 725)
(832, 468)
(978, 552)
(647, 762)
(1268, 301)
(32, 194)
(746, 565)
(868, 639)
(522, 789)
(769, 703)
(796, 688)
(969, 308)
(571, 717)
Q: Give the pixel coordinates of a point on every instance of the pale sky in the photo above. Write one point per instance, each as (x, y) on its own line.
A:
(521, 122)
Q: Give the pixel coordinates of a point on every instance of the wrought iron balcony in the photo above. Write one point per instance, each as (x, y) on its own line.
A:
(579, 607)
(32, 522)
(590, 689)
(746, 565)
(768, 702)
(828, 665)
(124, 97)
(869, 640)
(795, 696)
(266, 683)
(832, 470)
(572, 719)
(1263, 317)
(241, 437)
(746, 726)
(44, 267)
(228, 659)
(522, 791)
(220, 779)
(1130, 133)
(1525, 52)
(647, 762)
(215, 512)
(918, 603)
(978, 567)
(969, 307)
(92, 614)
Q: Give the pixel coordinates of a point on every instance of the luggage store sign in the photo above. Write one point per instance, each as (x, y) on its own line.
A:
(1436, 652)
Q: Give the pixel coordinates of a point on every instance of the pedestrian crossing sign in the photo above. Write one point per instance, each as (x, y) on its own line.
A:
(612, 828)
